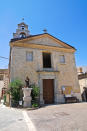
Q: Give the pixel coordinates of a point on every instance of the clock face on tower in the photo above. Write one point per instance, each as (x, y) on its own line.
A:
(22, 35)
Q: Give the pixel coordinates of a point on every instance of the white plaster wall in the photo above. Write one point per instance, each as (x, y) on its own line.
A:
(82, 83)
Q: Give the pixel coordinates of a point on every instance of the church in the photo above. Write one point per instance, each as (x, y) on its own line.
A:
(47, 61)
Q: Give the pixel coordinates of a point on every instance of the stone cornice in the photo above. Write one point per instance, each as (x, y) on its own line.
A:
(38, 46)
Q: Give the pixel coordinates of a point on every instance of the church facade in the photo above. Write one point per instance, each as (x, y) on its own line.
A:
(47, 61)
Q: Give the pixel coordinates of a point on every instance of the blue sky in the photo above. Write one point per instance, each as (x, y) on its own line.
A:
(64, 19)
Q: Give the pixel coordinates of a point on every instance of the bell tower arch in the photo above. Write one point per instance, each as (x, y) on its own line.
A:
(22, 31)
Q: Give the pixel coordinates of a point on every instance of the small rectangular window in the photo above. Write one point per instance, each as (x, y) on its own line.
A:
(62, 59)
(29, 56)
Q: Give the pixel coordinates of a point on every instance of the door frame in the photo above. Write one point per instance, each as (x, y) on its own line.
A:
(48, 76)
(52, 87)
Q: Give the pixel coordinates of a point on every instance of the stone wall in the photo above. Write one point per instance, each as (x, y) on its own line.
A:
(67, 75)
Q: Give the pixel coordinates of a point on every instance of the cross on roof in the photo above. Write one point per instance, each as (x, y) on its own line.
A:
(45, 30)
(22, 19)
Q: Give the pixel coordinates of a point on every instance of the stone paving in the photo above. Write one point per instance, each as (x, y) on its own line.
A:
(12, 119)
(65, 117)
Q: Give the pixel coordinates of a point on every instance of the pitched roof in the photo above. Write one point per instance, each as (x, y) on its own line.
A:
(30, 36)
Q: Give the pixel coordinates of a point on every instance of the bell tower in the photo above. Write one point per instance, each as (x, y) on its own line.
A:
(22, 31)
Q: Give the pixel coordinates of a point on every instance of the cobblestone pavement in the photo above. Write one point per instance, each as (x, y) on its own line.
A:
(65, 117)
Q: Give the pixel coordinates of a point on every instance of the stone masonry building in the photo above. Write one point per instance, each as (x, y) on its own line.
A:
(47, 61)
(4, 80)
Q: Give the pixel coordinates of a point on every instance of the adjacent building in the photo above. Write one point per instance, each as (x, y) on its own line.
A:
(47, 61)
(4, 80)
(82, 76)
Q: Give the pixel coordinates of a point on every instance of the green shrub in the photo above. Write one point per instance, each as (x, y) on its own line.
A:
(35, 92)
(35, 105)
(4, 97)
(15, 91)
